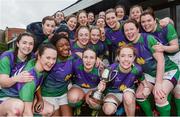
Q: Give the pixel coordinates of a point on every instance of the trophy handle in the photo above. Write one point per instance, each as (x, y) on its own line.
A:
(115, 72)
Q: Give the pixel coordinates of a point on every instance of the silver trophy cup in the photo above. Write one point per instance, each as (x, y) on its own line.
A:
(106, 77)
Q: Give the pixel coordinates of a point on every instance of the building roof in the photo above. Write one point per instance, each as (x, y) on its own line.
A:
(79, 5)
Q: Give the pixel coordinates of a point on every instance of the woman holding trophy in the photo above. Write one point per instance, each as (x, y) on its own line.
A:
(121, 88)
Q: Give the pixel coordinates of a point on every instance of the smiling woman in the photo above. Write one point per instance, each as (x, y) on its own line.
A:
(23, 92)
(25, 12)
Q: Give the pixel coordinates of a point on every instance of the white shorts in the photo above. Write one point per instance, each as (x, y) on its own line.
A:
(57, 101)
(167, 76)
(176, 59)
(119, 96)
(84, 89)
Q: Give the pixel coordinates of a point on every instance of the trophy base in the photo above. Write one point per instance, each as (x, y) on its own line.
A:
(97, 97)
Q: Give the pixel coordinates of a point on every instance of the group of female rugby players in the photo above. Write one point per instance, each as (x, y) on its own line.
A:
(58, 63)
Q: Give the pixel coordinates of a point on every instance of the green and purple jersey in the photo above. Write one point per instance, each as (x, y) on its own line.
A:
(99, 48)
(85, 79)
(75, 48)
(25, 91)
(144, 46)
(165, 34)
(122, 80)
(8, 65)
(115, 38)
(56, 83)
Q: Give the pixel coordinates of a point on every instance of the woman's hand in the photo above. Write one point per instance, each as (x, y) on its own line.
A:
(159, 47)
(158, 90)
(38, 107)
(24, 76)
(165, 21)
(101, 86)
(94, 104)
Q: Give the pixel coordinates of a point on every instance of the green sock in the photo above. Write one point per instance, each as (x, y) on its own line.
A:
(164, 110)
(146, 107)
(77, 104)
(177, 103)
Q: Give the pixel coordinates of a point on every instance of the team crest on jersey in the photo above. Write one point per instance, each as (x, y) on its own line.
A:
(68, 77)
(122, 87)
(85, 85)
(140, 60)
(121, 43)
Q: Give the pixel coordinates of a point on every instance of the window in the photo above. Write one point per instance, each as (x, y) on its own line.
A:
(162, 13)
(14, 35)
(178, 20)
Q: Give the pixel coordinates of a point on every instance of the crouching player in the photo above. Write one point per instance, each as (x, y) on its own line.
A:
(86, 79)
(121, 89)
